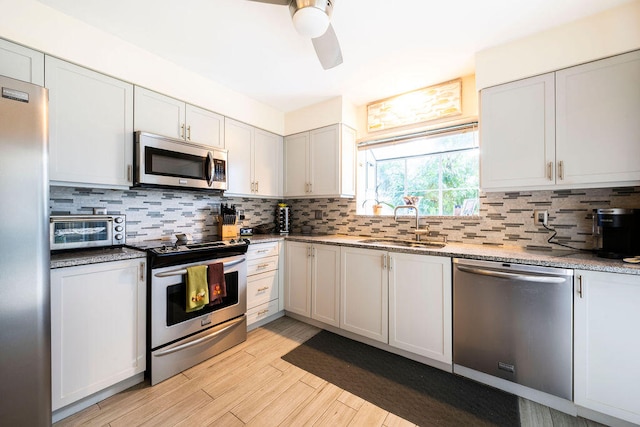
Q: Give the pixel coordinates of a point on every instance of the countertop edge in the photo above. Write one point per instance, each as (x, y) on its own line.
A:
(569, 259)
(94, 256)
(507, 254)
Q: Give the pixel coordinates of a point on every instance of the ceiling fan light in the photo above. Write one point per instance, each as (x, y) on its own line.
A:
(310, 22)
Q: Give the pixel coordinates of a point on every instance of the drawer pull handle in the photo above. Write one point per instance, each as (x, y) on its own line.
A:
(263, 266)
(261, 312)
(266, 288)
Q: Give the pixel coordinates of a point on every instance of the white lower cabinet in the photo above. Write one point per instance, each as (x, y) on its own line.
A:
(263, 281)
(420, 305)
(313, 281)
(297, 298)
(364, 302)
(607, 343)
(98, 327)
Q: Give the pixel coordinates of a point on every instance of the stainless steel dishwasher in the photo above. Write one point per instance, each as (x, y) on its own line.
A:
(515, 322)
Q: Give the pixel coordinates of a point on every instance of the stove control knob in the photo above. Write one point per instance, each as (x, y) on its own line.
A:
(232, 241)
(118, 236)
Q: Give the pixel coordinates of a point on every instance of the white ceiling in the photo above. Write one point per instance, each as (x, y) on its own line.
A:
(389, 47)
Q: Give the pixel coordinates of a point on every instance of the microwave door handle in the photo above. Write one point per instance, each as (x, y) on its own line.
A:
(210, 166)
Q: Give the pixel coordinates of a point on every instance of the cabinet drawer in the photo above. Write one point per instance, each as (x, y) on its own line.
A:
(260, 250)
(262, 288)
(262, 265)
(260, 312)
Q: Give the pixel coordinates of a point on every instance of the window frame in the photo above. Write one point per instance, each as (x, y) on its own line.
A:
(367, 194)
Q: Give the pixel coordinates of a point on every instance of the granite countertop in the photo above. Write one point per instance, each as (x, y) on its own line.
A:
(513, 254)
(560, 258)
(94, 256)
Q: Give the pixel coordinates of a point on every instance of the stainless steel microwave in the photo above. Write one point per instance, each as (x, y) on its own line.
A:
(164, 162)
(86, 231)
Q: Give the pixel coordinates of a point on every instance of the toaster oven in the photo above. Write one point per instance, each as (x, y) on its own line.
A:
(86, 231)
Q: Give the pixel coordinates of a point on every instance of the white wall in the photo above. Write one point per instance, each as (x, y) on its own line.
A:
(42, 28)
(605, 34)
(334, 110)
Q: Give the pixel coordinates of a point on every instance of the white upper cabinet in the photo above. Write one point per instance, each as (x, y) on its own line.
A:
(320, 163)
(267, 164)
(238, 139)
(21, 63)
(254, 160)
(90, 127)
(517, 134)
(575, 128)
(296, 160)
(163, 115)
(598, 121)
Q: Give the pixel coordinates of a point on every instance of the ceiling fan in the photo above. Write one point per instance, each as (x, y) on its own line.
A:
(311, 19)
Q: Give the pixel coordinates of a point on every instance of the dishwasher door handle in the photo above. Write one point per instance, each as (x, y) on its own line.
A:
(507, 275)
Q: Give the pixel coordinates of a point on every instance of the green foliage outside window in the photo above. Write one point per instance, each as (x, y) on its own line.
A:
(443, 172)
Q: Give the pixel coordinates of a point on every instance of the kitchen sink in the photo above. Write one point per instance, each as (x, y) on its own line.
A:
(404, 243)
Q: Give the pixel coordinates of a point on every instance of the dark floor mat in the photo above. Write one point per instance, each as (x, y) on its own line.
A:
(421, 394)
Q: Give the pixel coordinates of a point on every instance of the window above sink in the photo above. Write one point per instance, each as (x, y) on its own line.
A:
(440, 167)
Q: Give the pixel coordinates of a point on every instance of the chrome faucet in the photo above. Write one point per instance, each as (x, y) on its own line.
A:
(417, 232)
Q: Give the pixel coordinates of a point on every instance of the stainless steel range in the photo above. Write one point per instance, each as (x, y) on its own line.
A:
(178, 339)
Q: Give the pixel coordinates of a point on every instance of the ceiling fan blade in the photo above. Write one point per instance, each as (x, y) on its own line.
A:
(280, 2)
(328, 49)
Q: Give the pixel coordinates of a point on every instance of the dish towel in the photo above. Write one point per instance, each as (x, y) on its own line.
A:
(197, 289)
(217, 286)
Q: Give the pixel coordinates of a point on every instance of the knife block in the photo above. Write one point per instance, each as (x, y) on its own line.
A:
(227, 231)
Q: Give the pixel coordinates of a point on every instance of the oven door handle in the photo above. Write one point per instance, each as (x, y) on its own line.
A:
(184, 270)
(507, 275)
(199, 340)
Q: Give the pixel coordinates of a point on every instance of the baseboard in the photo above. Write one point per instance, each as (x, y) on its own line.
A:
(603, 418)
(264, 321)
(377, 344)
(81, 404)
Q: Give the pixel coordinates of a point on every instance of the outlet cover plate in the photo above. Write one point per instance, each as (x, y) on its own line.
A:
(540, 217)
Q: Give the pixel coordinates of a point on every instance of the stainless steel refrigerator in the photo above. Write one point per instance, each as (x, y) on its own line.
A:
(25, 355)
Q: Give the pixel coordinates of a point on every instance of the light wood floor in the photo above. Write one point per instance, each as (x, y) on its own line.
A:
(250, 385)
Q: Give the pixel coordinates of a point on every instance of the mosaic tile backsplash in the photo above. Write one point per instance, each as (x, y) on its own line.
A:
(505, 218)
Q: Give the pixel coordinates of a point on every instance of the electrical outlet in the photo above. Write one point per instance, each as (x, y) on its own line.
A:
(540, 217)
(318, 214)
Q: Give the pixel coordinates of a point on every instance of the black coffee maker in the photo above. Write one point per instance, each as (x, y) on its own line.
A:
(619, 231)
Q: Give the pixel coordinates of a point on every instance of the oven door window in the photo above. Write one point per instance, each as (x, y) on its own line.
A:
(177, 300)
(172, 163)
(81, 231)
